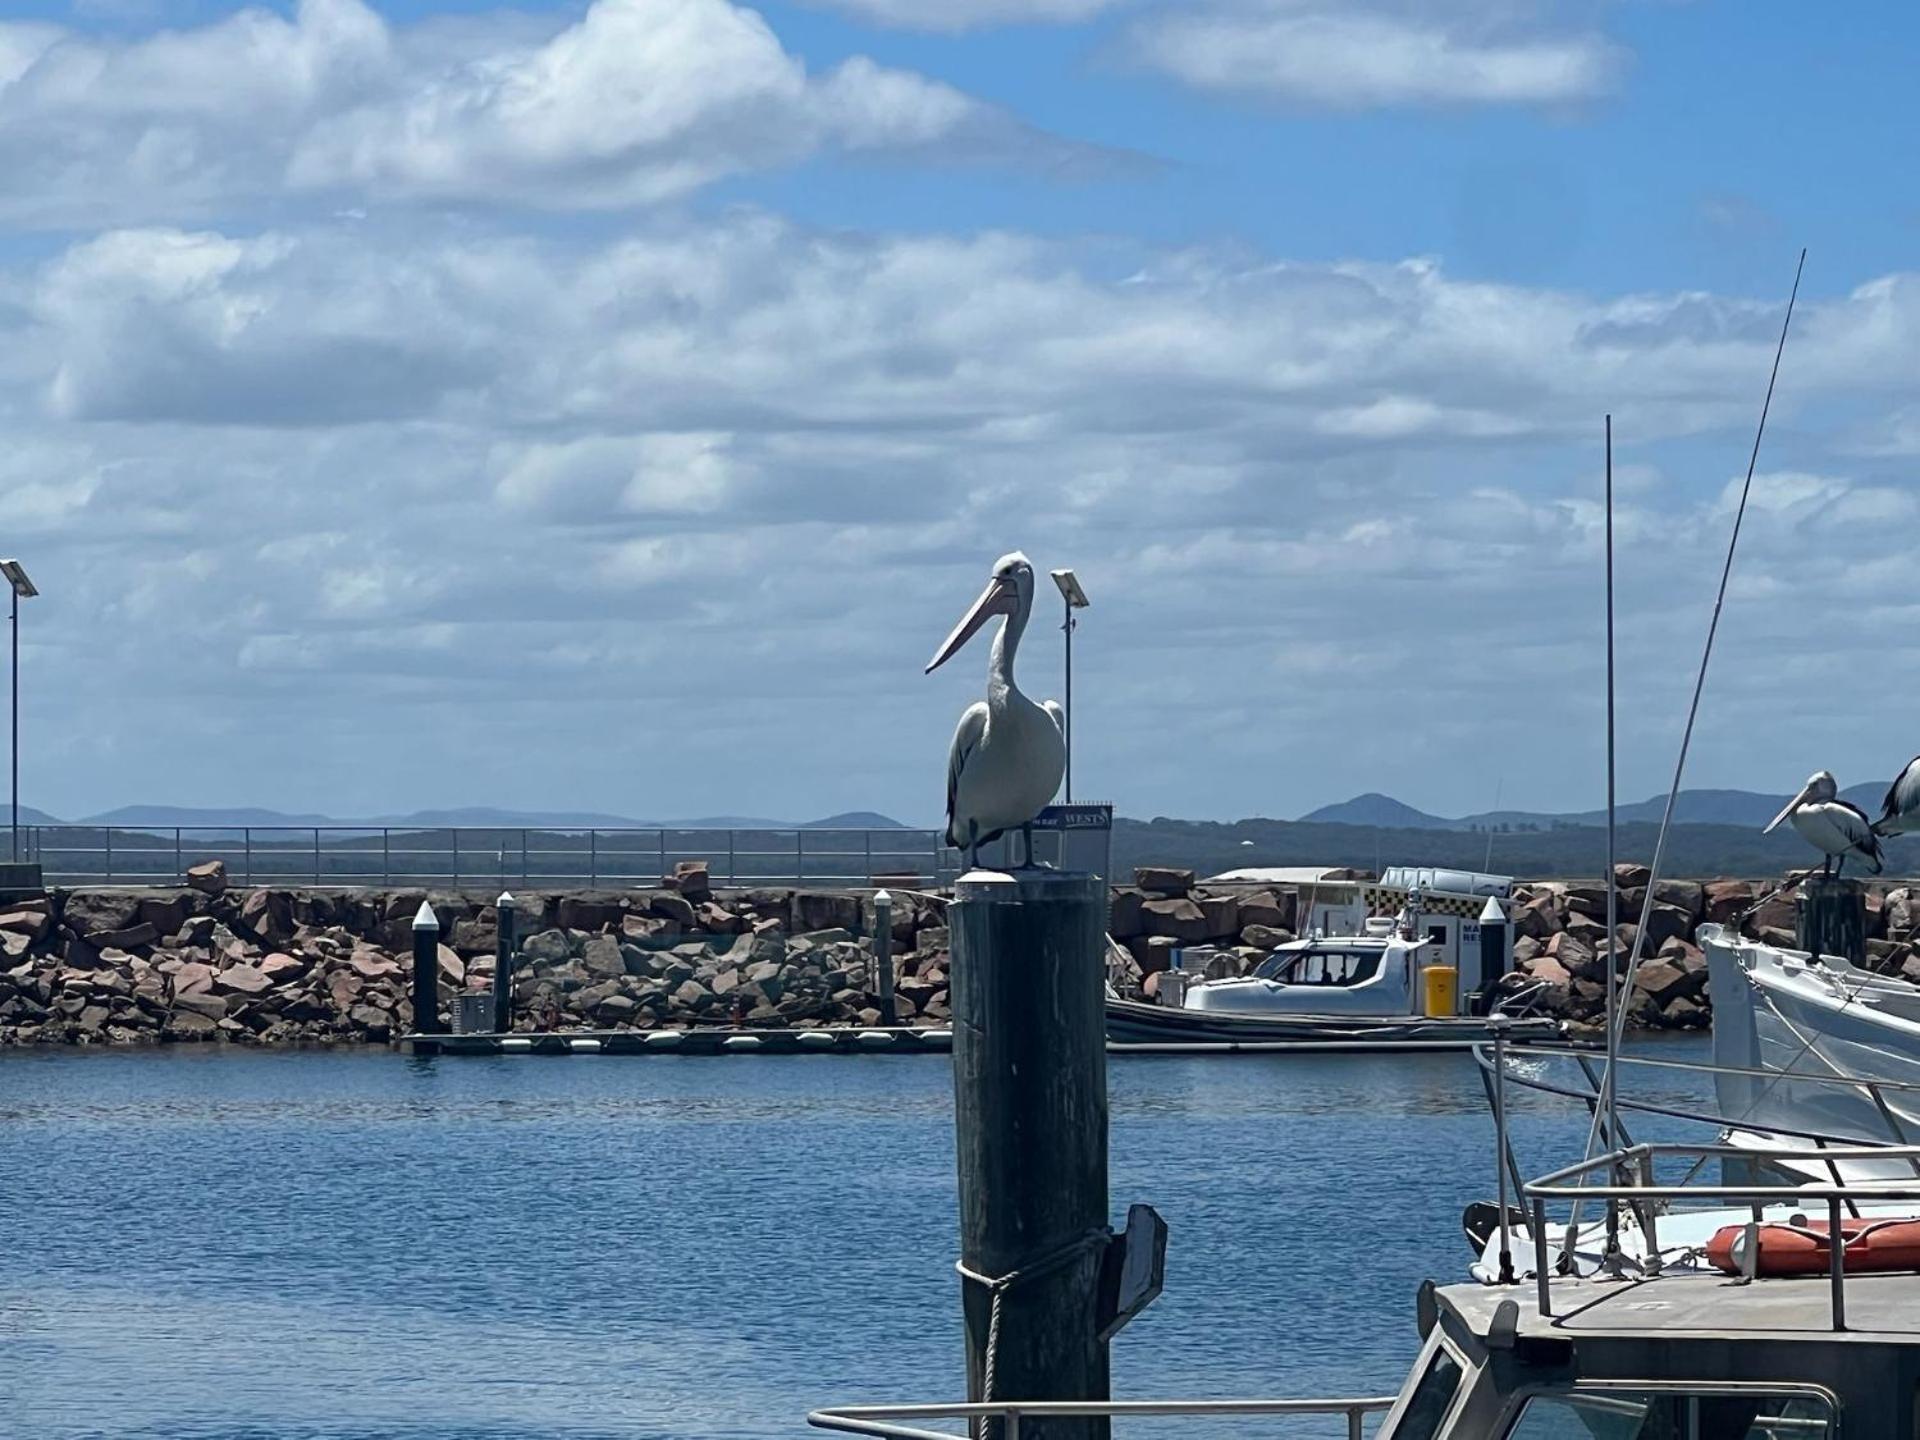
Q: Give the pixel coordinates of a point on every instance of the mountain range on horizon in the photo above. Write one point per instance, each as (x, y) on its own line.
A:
(142, 817)
(1691, 807)
(1372, 810)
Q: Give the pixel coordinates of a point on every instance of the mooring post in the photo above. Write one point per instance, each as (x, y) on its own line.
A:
(506, 917)
(1030, 1123)
(883, 954)
(426, 972)
(1832, 918)
(1493, 954)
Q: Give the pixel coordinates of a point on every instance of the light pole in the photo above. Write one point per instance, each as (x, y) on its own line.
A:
(1076, 599)
(22, 590)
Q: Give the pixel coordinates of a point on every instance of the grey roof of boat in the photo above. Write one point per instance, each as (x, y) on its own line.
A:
(1878, 1307)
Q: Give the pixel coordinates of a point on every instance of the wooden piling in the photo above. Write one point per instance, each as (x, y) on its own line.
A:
(1030, 1122)
(1831, 918)
(506, 911)
(426, 972)
(883, 954)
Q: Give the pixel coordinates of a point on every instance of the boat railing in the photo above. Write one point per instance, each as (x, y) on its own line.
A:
(1877, 1090)
(904, 1422)
(1628, 1175)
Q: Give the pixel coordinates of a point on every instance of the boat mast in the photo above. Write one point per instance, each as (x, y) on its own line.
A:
(1603, 1119)
(1612, 977)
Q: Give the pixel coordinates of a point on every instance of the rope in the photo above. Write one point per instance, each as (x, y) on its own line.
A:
(997, 1286)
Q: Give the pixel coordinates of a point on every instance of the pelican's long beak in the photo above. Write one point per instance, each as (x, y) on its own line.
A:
(1792, 805)
(996, 599)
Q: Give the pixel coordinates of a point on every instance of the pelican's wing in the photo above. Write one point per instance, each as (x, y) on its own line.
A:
(1853, 823)
(1903, 799)
(966, 735)
(1052, 707)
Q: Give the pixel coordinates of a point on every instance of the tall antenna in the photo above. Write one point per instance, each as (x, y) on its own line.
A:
(1602, 1113)
(1611, 979)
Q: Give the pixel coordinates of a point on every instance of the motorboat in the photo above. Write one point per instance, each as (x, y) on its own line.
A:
(1411, 961)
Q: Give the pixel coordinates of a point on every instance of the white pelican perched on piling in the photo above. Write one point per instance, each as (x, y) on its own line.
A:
(1831, 825)
(1900, 812)
(1008, 753)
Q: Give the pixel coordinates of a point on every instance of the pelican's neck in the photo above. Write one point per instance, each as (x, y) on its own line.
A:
(1000, 680)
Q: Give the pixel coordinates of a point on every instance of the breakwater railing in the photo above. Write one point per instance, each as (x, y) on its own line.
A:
(337, 855)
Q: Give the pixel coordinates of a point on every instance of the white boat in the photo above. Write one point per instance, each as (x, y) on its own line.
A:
(1788, 1024)
(1361, 979)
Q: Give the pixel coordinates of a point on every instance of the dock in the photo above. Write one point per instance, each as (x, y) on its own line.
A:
(853, 1040)
(713, 1040)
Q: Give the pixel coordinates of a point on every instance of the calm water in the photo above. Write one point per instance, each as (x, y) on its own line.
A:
(305, 1245)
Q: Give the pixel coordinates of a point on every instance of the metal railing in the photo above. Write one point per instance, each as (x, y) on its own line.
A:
(879, 1419)
(1634, 1182)
(345, 856)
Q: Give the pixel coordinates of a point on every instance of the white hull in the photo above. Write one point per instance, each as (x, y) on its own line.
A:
(1793, 1016)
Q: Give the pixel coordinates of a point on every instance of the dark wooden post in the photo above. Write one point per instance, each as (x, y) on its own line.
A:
(506, 912)
(1832, 918)
(1493, 953)
(426, 972)
(883, 954)
(1030, 1122)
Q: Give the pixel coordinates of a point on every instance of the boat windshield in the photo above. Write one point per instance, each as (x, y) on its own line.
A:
(1627, 1414)
(1321, 965)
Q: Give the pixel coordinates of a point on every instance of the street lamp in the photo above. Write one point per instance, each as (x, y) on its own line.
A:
(1076, 599)
(16, 574)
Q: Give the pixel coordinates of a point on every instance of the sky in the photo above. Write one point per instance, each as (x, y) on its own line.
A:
(611, 405)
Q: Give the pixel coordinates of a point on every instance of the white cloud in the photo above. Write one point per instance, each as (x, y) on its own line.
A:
(958, 15)
(462, 501)
(634, 102)
(1353, 57)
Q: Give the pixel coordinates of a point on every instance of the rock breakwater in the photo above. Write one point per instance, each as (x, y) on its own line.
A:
(1561, 946)
(290, 966)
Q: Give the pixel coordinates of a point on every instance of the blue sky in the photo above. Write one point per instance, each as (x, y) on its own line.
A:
(606, 405)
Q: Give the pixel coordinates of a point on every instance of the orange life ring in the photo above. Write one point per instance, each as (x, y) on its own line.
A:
(1803, 1247)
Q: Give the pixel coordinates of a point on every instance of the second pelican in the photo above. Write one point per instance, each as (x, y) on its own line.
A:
(1008, 754)
(1831, 825)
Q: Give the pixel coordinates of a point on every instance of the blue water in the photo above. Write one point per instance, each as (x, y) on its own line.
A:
(240, 1244)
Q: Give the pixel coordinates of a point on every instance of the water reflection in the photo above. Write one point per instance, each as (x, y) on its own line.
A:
(351, 1244)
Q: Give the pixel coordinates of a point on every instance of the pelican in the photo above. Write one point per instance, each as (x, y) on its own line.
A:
(1008, 754)
(1900, 812)
(1829, 824)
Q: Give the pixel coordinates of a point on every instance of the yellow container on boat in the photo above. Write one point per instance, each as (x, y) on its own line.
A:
(1441, 986)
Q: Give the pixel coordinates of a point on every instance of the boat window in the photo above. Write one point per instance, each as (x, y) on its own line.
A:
(1431, 1399)
(1671, 1415)
(1320, 966)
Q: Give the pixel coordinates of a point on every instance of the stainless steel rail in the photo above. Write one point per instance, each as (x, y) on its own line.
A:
(1633, 1169)
(341, 855)
(878, 1419)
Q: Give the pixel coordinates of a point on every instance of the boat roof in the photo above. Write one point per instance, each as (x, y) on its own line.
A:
(1703, 1306)
(1286, 875)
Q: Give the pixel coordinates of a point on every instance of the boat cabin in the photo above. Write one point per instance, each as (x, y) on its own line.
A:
(1684, 1357)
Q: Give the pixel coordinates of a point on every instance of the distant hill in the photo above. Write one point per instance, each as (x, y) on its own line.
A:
(28, 815)
(148, 817)
(1374, 808)
(1691, 807)
(1570, 850)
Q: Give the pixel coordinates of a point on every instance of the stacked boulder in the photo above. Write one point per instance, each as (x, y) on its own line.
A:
(1165, 910)
(1561, 939)
(274, 966)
